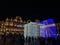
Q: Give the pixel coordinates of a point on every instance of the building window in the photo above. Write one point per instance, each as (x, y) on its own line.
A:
(11, 24)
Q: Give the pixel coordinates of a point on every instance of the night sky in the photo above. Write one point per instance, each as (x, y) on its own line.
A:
(33, 13)
(27, 11)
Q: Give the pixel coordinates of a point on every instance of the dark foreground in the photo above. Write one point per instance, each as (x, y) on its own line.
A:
(19, 40)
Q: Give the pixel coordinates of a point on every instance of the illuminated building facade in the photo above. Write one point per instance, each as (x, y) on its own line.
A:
(58, 28)
(45, 29)
(17, 25)
(12, 25)
(48, 28)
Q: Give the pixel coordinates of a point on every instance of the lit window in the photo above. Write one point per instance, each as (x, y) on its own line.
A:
(15, 25)
(6, 19)
(14, 30)
(2, 24)
(6, 23)
(15, 20)
(11, 24)
(6, 29)
(1, 30)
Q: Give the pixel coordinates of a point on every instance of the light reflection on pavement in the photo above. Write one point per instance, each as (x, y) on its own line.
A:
(33, 42)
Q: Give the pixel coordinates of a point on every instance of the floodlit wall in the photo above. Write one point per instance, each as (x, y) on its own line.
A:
(25, 30)
(42, 30)
(33, 30)
(45, 29)
(48, 29)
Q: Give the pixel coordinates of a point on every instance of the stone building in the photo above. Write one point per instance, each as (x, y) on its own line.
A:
(58, 28)
(12, 25)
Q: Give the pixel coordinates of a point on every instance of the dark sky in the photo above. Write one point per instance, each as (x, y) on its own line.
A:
(27, 10)
(33, 13)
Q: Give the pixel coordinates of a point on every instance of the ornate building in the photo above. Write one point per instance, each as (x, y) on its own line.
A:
(17, 25)
(58, 28)
(12, 25)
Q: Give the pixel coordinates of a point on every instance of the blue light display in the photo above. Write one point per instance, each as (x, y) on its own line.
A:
(48, 29)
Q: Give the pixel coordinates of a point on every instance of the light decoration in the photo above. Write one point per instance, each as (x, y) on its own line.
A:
(19, 25)
(14, 24)
(15, 20)
(45, 29)
(1, 30)
(58, 28)
(25, 30)
(7, 19)
(48, 29)
(2, 23)
(11, 19)
(17, 17)
(6, 29)
(6, 23)
(31, 30)
(21, 19)
(11, 24)
(1, 26)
